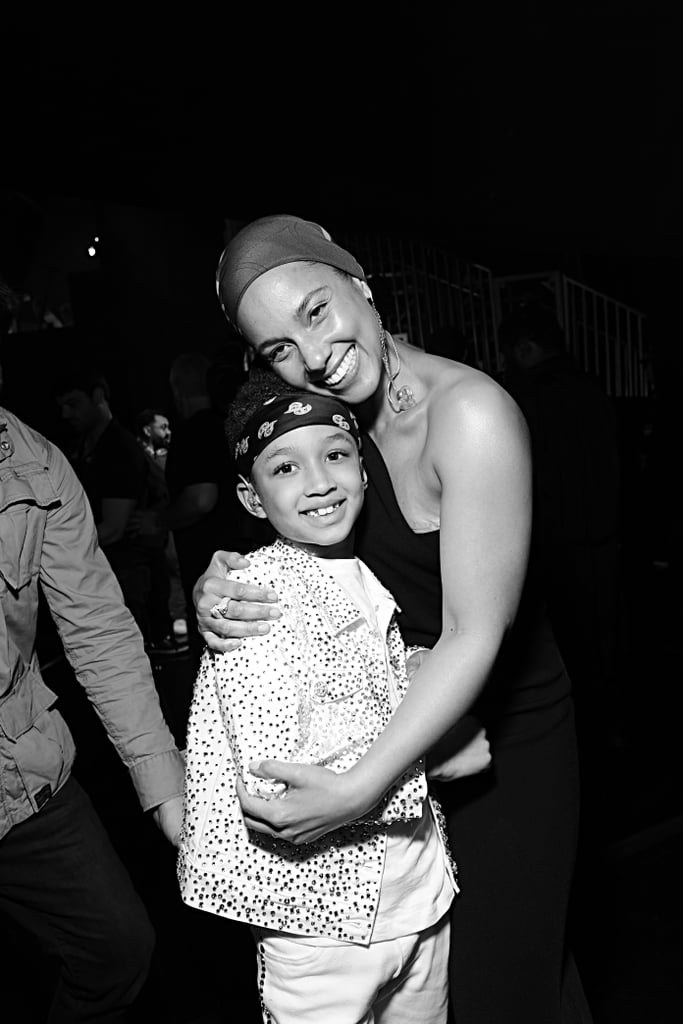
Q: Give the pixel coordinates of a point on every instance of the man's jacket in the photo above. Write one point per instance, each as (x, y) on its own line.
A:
(318, 688)
(48, 539)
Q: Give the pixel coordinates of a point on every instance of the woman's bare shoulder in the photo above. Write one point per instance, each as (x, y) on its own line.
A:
(463, 397)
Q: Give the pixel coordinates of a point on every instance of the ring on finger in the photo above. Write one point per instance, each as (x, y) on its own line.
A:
(220, 610)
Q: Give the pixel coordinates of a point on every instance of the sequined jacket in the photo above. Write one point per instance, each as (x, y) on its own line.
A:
(48, 538)
(317, 689)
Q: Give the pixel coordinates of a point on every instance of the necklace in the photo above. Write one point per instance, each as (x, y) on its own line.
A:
(400, 399)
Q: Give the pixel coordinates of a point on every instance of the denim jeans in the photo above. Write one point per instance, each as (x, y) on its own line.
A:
(62, 882)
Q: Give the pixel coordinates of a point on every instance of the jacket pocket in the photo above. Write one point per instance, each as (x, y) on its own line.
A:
(330, 687)
(24, 704)
(22, 525)
(340, 673)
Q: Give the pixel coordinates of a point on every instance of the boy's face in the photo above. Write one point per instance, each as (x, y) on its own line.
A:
(309, 484)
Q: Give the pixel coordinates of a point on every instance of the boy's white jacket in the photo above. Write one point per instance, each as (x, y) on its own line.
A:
(314, 689)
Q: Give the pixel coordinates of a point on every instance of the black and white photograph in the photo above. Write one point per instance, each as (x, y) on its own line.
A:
(340, 530)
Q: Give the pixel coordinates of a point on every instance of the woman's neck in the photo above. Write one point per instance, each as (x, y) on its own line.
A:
(379, 413)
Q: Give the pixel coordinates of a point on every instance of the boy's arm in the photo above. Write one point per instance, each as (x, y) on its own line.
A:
(258, 704)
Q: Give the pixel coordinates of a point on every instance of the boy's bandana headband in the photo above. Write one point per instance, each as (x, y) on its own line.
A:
(287, 412)
(272, 242)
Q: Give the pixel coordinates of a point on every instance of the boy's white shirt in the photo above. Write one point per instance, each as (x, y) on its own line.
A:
(327, 698)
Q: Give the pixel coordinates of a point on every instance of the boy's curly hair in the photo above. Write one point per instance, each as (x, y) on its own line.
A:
(260, 385)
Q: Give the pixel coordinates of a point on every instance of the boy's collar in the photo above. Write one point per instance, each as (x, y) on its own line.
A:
(348, 611)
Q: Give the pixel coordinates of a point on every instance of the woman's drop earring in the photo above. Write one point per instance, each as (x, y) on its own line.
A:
(400, 399)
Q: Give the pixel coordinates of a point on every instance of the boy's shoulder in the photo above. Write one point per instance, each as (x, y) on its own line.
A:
(263, 564)
(273, 562)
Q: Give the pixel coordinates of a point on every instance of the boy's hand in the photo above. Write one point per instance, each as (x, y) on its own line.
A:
(463, 751)
(244, 608)
(316, 801)
(414, 660)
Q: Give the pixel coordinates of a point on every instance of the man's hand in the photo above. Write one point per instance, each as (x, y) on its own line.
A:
(244, 608)
(169, 818)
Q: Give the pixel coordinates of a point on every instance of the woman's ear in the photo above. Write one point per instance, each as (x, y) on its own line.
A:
(363, 473)
(250, 499)
(365, 288)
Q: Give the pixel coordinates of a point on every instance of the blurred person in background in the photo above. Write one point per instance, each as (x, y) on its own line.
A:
(202, 511)
(112, 468)
(154, 434)
(148, 527)
(577, 518)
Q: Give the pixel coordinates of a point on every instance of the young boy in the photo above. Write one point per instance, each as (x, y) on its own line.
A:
(352, 927)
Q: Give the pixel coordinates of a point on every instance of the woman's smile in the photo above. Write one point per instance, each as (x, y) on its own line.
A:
(344, 369)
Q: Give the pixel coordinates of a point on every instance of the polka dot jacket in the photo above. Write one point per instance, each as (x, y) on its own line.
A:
(316, 689)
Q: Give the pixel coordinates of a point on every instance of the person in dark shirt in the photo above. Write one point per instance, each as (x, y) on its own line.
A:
(154, 434)
(576, 476)
(111, 467)
(577, 518)
(203, 510)
(150, 529)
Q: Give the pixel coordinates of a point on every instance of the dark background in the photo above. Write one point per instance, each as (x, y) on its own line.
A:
(523, 136)
(526, 137)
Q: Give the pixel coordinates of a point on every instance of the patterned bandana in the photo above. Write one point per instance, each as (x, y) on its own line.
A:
(287, 412)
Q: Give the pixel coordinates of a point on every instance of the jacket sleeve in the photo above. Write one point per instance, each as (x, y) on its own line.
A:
(258, 697)
(102, 641)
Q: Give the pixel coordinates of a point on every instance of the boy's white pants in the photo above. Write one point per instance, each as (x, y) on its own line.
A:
(321, 981)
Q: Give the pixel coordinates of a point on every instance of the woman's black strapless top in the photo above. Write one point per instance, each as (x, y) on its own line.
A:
(529, 673)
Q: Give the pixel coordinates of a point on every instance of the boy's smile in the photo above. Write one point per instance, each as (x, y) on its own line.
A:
(328, 510)
(309, 484)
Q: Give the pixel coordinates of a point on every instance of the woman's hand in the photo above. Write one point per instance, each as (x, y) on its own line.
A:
(316, 801)
(464, 750)
(245, 609)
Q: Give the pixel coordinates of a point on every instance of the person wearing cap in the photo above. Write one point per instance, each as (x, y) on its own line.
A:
(446, 526)
(355, 923)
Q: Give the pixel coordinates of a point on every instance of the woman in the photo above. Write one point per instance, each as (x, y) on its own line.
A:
(446, 527)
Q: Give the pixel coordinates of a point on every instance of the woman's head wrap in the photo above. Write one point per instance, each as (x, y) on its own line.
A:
(271, 242)
(287, 412)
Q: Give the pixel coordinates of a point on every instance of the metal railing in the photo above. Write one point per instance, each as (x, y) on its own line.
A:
(606, 337)
(420, 289)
